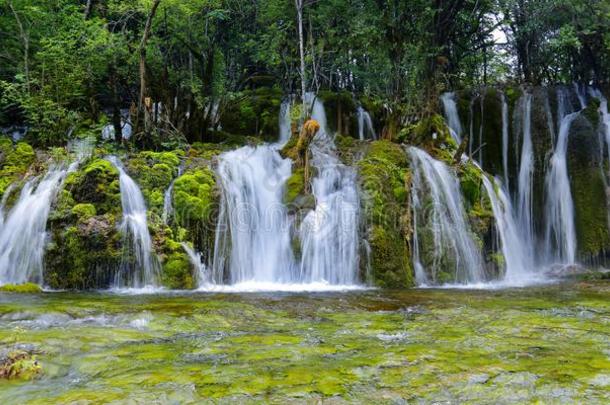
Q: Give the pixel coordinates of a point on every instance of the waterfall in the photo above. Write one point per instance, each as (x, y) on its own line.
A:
(23, 236)
(200, 270)
(560, 235)
(526, 172)
(581, 93)
(365, 125)
(505, 134)
(5, 196)
(329, 233)
(439, 219)
(285, 127)
(451, 116)
(518, 263)
(168, 208)
(23, 233)
(253, 232)
(134, 227)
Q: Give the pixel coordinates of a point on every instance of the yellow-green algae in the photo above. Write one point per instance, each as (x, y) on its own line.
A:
(546, 344)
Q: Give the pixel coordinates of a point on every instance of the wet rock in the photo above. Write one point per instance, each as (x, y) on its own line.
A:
(19, 362)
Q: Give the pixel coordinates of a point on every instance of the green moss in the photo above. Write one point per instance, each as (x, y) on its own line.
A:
(194, 196)
(383, 176)
(26, 288)
(17, 160)
(295, 186)
(84, 211)
(177, 272)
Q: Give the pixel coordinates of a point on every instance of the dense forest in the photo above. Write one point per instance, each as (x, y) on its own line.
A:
(68, 67)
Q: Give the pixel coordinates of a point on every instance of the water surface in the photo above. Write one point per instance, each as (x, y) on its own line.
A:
(547, 343)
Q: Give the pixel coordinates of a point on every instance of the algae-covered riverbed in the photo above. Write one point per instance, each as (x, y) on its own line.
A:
(548, 344)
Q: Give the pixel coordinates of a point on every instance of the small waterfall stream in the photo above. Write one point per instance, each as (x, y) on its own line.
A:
(144, 272)
(452, 116)
(518, 262)
(505, 134)
(199, 267)
(365, 125)
(329, 233)
(284, 123)
(560, 234)
(440, 225)
(526, 172)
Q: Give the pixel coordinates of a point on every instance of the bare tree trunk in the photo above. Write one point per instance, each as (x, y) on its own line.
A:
(299, 6)
(89, 9)
(26, 47)
(142, 101)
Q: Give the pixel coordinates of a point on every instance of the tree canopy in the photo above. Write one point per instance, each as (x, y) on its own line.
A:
(65, 62)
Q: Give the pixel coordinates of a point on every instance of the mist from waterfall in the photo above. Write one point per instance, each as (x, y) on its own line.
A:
(143, 271)
(329, 233)
(452, 116)
(365, 125)
(439, 222)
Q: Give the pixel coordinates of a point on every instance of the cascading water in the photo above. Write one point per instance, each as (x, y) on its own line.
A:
(526, 172)
(253, 232)
(365, 125)
(23, 233)
(144, 272)
(23, 236)
(199, 268)
(329, 233)
(440, 222)
(452, 116)
(168, 208)
(284, 123)
(5, 196)
(560, 234)
(518, 263)
(505, 134)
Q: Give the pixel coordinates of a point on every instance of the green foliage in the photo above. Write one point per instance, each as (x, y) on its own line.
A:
(14, 162)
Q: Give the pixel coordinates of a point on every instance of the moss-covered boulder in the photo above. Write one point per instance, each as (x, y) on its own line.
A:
(85, 247)
(586, 171)
(384, 182)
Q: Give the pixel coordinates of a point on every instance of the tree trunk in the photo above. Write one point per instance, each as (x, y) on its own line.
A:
(89, 9)
(26, 47)
(299, 7)
(142, 105)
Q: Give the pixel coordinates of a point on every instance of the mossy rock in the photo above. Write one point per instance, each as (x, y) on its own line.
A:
(84, 211)
(177, 272)
(588, 190)
(195, 197)
(15, 161)
(384, 174)
(26, 288)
